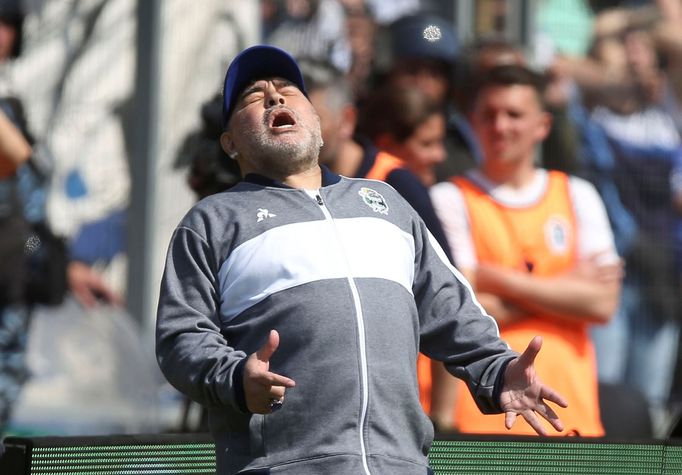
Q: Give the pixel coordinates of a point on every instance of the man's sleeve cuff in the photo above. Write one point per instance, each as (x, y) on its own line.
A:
(499, 383)
(238, 385)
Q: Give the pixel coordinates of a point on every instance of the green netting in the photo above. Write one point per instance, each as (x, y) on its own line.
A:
(490, 457)
(454, 457)
(124, 459)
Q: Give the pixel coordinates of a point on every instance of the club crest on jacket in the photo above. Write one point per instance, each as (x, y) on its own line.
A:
(374, 200)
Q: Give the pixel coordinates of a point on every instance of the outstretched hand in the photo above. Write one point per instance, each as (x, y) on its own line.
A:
(262, 388)
(523, 393)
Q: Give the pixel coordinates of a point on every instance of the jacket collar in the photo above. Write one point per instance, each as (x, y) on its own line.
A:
(328, 178)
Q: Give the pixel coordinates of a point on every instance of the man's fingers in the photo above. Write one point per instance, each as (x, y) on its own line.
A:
(552, 418)
(273, 379)
(268, 405)
(509, 419)
(264, 390)
(270, 346)
(528, 356)
(534, 422)
(276, 392)
(553, 396)
(546, 411)
(267, 389)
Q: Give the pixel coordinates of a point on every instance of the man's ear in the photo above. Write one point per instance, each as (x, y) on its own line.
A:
(544, 126)
(227, 144)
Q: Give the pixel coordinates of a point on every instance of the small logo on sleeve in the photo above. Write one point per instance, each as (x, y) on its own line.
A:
(374, 200)
(264, 214)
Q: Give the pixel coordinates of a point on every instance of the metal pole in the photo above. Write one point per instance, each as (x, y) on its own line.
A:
(143, 163)
(528, 23)
(465, 19)
(520, 21)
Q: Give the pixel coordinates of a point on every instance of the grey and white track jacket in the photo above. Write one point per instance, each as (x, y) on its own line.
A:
(356, 286)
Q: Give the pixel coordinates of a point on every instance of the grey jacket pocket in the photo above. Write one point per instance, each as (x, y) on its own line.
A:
(256, 433)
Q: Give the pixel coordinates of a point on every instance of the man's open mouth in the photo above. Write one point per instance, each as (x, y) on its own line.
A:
(282, 119)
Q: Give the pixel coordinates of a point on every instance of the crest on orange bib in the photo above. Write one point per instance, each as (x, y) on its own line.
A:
(374, 200)
(557, 234)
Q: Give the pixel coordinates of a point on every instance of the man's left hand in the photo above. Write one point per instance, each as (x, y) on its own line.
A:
(523, 393)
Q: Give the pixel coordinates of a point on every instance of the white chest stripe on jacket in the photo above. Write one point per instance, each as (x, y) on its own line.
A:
(300, 253)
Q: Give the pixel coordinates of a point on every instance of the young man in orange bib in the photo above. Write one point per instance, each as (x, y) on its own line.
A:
(537, 247)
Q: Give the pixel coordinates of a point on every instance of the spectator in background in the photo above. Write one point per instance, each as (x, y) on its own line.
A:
(34, 176)
(37, 269)
(561, 48)
(314, 29)
(388, 11)
(475, 59)
(210, 170)
(639, 348)
(340, 32)
(574, 145)
(388, 134)
(399, 139)
(636, 342)
(422, 50)
(419, 50)
(14, 230)
(535, 245)
(360, 31)
(408, 128)
(391, 143)
(329, 90)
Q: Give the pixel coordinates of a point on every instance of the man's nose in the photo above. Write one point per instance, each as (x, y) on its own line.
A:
(439, 154)
(274, 98)
(500, 122)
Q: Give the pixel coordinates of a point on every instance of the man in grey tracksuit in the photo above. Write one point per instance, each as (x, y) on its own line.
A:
(293, 306)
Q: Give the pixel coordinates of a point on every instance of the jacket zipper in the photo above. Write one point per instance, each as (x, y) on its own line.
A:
(361, 335)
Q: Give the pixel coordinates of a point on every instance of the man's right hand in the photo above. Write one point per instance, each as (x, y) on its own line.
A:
(261, 387)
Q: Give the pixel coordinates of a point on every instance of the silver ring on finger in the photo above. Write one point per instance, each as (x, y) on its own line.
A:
(276, 403)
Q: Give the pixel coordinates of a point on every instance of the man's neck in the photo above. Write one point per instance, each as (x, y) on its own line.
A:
(514, 175)
(309, 179)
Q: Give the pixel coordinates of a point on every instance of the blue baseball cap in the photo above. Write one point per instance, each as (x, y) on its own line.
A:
(257, 62)
(423, 35)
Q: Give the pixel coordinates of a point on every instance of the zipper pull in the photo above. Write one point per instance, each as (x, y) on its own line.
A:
(319, 200)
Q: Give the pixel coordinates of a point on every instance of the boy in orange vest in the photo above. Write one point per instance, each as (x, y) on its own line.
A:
(537, 247)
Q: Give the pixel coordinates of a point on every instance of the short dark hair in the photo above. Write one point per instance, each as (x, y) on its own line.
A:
(12, 14)
(512, 75)
(396, 110)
